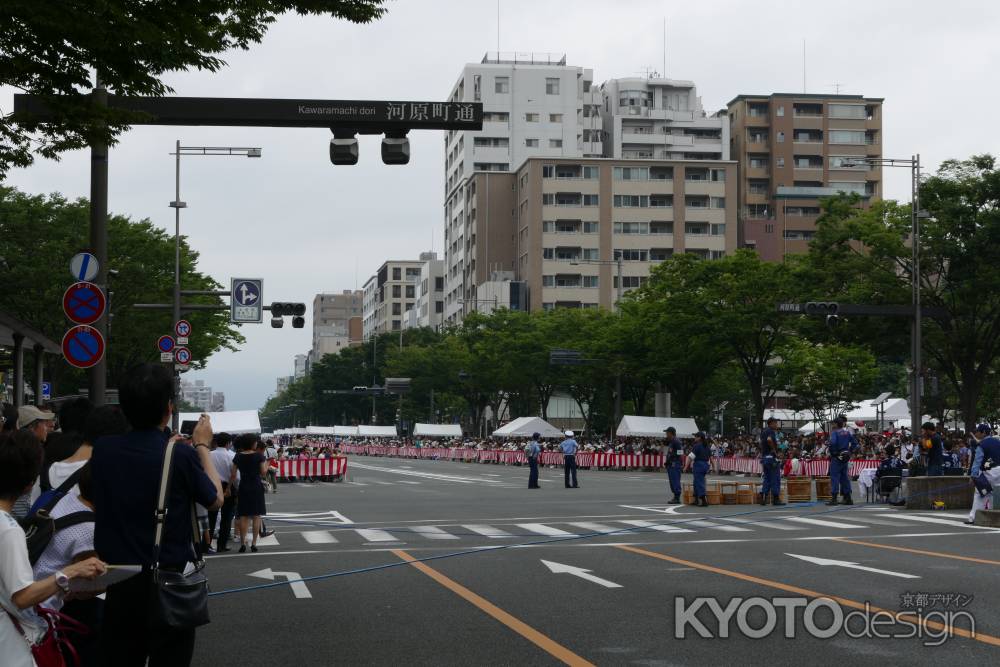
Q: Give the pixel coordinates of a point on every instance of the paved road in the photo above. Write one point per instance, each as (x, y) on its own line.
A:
(484, 593)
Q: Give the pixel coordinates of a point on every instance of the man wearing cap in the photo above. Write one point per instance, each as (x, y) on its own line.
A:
(985, 470)
(933, 448)
(40, 423)
(673, 457)
(569, 447)
(771, 474)
(842, 445)
(700, 456)
(533, 451)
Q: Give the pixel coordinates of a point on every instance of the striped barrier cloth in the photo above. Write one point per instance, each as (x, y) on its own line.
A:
(312, 467)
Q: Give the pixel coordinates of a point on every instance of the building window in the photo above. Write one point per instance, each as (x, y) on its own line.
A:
(396, 291)
(555, 117)
(591, 253)
(551, 86)
(719, 175)
(718, 229)
(496, 117)
(631, 228)
(591, 227)
(850, 137)
(591, 281)
(531, 117)
(781, 137)
(591, 173)
(779, 162)
(548, 170)
(718, 202)
(438, 284)
(396, 309)
(501, 84)
(555, 143)
(631, 173)
(548, 306)
(847, 111)
(548, 253)
(591, 200)
(631, 201)
(548, 226)
(491, 142)
(396, 273)
(395, 325)
(632, 255)
(531, 143)
(439, 306)
(548, 281)
(476, 93)
(780, 111)
(409, 292)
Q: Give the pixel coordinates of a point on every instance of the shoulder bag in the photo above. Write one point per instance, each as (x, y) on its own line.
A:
(179, 599)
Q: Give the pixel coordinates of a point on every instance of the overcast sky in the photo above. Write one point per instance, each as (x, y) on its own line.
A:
(306, 226)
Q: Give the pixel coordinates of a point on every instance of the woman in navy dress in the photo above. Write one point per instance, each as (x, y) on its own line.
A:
(251, 465)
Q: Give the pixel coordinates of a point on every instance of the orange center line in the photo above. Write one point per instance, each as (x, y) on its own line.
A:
(543, 642)
(978, 636)
(938, 554)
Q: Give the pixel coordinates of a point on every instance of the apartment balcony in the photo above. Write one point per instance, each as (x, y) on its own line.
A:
(756, 145)
(714, 188)
(637, 154)
(807, 122)
(809, 173)
(758, 172)
(758, 198)
(757, 121)
(679, 140)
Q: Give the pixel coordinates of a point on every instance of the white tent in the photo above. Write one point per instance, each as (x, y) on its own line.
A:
(654, 427)
(376, 431)
(345, 431)
(895, 409)
(524, 427)
(320, 430)
(811, 427)
(438, 430)
(235, 422)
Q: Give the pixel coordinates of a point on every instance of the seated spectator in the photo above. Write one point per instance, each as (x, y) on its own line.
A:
(126, 476)
(20, 461)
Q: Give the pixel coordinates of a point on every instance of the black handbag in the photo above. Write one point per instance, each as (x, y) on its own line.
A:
(178, 600)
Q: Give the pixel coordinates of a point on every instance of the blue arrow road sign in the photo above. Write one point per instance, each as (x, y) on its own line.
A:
(246, 303)
(46, 391)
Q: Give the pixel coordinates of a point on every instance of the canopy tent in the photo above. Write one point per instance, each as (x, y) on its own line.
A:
(654, 427)
(894, 410)
(525, 427)
(438, 430)
(235, 422)
(290, 431)
(811, 427)
(320, 430)
(365, 431)
(345, 431)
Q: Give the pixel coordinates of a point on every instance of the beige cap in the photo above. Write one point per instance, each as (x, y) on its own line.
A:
(26, 414)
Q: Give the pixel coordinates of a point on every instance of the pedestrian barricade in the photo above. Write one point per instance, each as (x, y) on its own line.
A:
(332, 467)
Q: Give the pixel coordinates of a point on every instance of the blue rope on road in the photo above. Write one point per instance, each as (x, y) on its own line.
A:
(567, 538)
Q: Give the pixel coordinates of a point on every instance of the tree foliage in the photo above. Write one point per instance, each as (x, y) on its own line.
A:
(38, 236)
(52, 48)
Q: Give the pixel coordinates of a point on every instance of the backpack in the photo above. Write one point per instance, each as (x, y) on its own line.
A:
(39, 526)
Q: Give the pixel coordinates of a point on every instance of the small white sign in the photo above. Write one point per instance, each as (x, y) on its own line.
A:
(167, 357)
(182, 340)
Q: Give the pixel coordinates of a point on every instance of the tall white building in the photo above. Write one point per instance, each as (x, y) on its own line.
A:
(198, 394)
(428, 309)
(533, 106)
(301, 365)
(661, 119)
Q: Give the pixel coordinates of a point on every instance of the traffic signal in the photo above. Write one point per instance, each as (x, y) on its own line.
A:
(277, 322)
(395, 148)
(286, 308)
(832, 321)
(822, 308)
(344, 148)
(298, 322)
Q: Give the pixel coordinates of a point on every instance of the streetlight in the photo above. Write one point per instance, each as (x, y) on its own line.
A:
(617, 261)
(913, 164)
(177, 205)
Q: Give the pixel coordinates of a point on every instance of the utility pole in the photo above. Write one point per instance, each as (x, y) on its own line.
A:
(98, 375)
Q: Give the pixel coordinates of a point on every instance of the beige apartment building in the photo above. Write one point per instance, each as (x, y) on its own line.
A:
(558, 226)
(388, 294)
(794, 149)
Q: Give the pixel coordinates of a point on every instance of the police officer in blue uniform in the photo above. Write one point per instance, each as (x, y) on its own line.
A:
(673, 457)
(770, 464)
(533, 450)
(842, 445)
(569, 447)
(702, 452)
(985, 470)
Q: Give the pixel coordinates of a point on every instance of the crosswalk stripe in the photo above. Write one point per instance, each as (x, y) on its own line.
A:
(867, 518)
(375, 535)
(929, 519)
(823, 522)
(319, 537)
(597, 527)
(542, 529)
(376, 481)
(488, 531)
(652, 525)
(716, 526)
(269, 541)
(406, 481)
(763, 523)
(433, 533)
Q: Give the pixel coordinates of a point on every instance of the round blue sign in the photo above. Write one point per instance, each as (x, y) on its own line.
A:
(165, 343)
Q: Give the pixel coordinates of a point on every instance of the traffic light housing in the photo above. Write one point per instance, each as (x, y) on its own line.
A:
(298, 322)
(395, 148)
(344, 148)
(822, 308)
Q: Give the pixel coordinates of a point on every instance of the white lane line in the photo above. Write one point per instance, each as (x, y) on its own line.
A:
(429, 475)
(763, 523)
(598, 528)
(269, 541)
(488, 531)
(375, 535)
(377, 481)
(542, 529)
(433, 533)
(319, 537)
(406, 481)
(928, 519)
(356, 483)
(823, 522)
(652, 525)
(865, 518)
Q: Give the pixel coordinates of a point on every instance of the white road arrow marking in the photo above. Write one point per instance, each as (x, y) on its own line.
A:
(298, 587)
(559, 568)
(331, 516)
(854, 566)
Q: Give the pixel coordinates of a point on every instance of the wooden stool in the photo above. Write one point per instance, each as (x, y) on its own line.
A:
(799, 489)
(822, 488)
(712, 493)
(729, 492)
(687, 494)
(745, 493)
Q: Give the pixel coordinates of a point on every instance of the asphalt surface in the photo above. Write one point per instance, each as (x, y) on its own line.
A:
(484, 592)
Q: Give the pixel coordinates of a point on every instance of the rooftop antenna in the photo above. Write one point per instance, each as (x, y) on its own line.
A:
(836, 87)
(803, 66)
(647, 72)
(664, 47)
(498, 29)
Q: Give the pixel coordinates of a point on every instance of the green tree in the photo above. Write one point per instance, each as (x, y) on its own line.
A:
(38, 236)
(52, 49)
(825, 379)
(959, 255)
